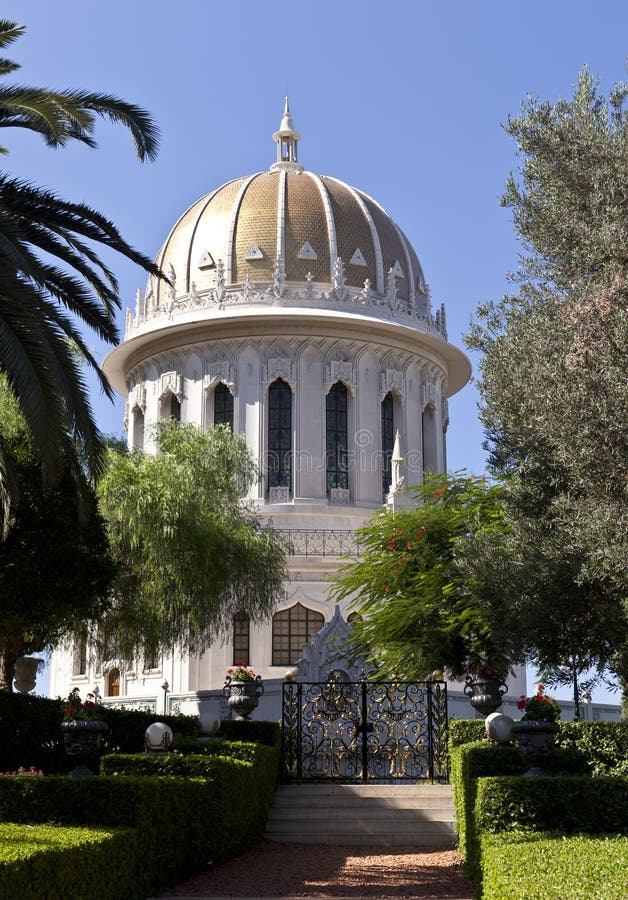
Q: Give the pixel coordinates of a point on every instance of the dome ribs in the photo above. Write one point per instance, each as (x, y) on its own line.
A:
(305, 222)
(353, 230)
(393, 248)
(256, 223)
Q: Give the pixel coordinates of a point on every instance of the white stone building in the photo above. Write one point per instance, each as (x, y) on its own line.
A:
(299, 313)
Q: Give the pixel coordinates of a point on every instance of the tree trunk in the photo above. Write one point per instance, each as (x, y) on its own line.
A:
(11, 649)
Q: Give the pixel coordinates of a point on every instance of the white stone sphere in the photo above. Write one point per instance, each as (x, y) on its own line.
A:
(158, 737)
(498, 727)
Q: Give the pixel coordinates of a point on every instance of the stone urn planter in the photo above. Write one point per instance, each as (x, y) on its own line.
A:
(26, 668)
(243, 696)
(484, 693)
(82, 740)
(536, 738)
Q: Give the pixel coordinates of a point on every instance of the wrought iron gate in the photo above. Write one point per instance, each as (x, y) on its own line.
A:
(364, 731)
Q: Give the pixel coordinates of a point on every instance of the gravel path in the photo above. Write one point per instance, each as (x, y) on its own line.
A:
(271, 869)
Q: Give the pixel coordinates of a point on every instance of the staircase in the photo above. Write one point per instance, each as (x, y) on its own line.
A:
(386, 815)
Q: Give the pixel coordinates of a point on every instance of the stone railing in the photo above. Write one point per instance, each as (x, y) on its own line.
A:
(279, 292)
(141, 704)
(319, 541)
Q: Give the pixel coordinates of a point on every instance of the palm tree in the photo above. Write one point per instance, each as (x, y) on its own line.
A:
(44, 298)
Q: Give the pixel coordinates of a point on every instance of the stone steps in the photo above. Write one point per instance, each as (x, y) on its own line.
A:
(363, 815)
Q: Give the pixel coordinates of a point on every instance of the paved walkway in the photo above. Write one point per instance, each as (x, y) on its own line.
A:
(285, 871)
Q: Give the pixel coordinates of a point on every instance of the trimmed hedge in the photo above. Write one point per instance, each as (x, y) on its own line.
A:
(30, 732)
(604, 745)
(466, 731)
(468, 763)
(202, 808)
(243, 787)
(46, 861)
(165, 812)
(567, 803)
(551, 867)
(259, 732)
(474, 765)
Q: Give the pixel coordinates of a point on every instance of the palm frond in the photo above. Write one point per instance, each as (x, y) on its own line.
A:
(10, 31)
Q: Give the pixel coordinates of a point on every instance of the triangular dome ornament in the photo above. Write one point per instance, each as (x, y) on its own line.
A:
(254, 252)
(358, 258)
(206, 261)
(397, 270)
(307, 251)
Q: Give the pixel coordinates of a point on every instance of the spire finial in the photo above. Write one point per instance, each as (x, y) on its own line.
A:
(287, 139)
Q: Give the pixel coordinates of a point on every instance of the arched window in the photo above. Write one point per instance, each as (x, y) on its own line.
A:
(113, 683)
(79, 654)
(292, 628)
(138, 429)
(428, 435)
(175, 408)
(223, 406)
(336, 428)
(388, 441)
(279, 434)
(241, 639)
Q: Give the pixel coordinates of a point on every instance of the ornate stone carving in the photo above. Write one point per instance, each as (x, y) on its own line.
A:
(341, 370)
(391, 290)
(279, 278)
(279, 495)
(171, 383)
(137, 398)
(392, 380)
(219, 291)
(330, 650)
(429, 392)
(339, 288)
(219, 372)
(339, 496)
(279, 367)
(279, 293)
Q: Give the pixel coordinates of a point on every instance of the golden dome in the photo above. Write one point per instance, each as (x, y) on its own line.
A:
(307, 220)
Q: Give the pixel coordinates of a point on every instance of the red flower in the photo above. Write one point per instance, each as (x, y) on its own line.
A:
(521, 704)
(421, 532)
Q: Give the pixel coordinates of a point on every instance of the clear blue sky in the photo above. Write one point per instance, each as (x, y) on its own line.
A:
(404, 100)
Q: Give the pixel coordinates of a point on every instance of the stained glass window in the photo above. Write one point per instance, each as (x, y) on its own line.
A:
(279, 434)
(336, 429)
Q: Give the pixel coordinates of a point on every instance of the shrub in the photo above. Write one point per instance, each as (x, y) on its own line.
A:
(468, 763)
(465, 731)
(567, 803)
(242, 788)
(258, 732)
(604, 745)
(176, 813)
(551, 867)
(74, 863)
(30, 732)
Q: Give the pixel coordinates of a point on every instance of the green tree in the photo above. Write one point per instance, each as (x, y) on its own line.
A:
(190, 553)
(420, 607)
(553, 378)
(51, 278)
(55, 569)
